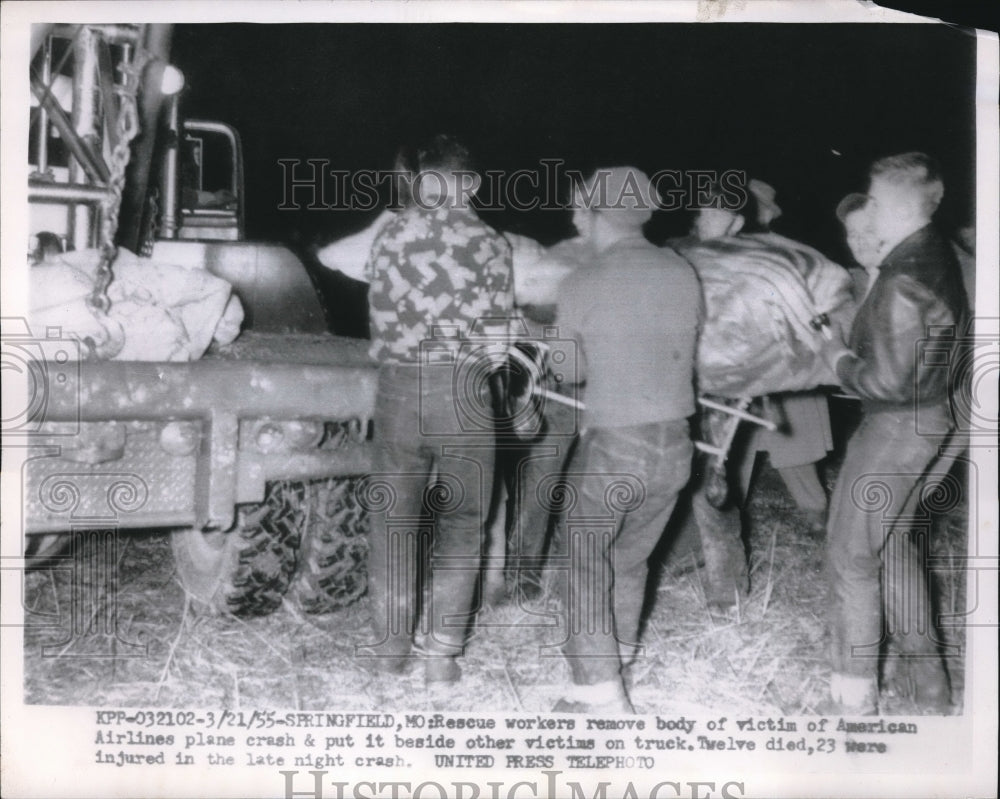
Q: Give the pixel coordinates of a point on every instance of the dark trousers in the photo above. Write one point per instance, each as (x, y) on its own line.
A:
(623, 485)
(877, 530)
(429, 492)
(536, 473)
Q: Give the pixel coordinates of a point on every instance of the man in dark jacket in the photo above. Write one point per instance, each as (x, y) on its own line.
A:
(915, 301)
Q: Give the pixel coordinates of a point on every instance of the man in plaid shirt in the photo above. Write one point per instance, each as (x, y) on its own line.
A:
(440, 300)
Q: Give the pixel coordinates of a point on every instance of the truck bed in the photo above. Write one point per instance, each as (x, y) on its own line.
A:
(304, 348)
(100, 457)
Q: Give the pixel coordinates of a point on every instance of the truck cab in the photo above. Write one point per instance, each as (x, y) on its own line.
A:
(210, 178)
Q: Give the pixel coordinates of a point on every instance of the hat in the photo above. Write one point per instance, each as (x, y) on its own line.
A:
(767, 209)
(624, 195)
(851, 203)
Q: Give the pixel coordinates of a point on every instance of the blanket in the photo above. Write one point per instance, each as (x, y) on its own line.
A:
(770, 303)
(159, 312)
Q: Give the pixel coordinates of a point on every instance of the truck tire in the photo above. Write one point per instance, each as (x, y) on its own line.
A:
(334, 555)
(246, 571)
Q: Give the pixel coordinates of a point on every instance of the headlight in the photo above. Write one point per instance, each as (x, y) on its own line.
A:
(172, 80)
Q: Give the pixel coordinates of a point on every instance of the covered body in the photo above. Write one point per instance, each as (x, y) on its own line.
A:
(764, 296)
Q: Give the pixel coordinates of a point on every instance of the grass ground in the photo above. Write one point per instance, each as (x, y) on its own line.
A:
(766, 657)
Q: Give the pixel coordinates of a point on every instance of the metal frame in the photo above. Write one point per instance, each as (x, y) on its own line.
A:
(220, 394)
(88, 128)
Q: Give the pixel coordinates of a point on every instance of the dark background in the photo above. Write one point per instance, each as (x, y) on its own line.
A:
(804, 107)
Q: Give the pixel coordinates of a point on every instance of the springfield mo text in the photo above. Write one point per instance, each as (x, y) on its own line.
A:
(313, 741)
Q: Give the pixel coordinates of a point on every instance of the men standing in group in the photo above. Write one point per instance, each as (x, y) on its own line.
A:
(441, 292)
(915, 298)
(635, 312)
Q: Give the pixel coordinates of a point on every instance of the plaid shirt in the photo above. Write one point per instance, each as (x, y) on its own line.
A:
(436, 274)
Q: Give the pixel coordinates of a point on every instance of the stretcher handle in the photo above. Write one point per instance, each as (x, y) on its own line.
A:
(718, 406)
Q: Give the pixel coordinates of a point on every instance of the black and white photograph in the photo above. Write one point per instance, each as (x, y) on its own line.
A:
(499, 400)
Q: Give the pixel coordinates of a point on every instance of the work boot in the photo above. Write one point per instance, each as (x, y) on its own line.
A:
(441, 661)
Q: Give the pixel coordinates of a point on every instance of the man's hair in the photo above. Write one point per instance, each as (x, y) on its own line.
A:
(443, 151)
(917, 171)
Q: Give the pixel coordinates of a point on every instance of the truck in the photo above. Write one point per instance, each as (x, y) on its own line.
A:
(250, 455)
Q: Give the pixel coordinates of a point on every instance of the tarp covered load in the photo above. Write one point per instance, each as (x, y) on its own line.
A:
(159, 312)
(765, 296)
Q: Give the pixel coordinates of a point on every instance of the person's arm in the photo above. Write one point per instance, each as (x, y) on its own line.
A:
(539, 270)
(350, 254)
(906, 312)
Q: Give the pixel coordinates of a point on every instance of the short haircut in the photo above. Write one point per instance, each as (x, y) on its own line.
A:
(917, 171)
(443, 151)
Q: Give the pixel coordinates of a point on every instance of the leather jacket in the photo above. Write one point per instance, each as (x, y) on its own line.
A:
(917, 299)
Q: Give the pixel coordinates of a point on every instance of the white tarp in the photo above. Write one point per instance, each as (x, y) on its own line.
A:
(763, 295)
(159, 312)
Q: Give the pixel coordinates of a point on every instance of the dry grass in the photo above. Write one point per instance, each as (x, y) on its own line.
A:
(766, 657)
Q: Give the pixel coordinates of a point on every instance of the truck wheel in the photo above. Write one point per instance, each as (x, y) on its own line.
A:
(246, 571)
(334, 554)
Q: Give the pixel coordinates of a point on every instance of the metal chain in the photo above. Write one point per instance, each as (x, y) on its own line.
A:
(127, 126)
(152, 223)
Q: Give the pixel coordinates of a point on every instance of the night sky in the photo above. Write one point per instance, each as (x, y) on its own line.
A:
(804, 107)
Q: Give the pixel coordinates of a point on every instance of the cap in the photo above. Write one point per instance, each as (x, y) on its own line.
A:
(623, 194)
